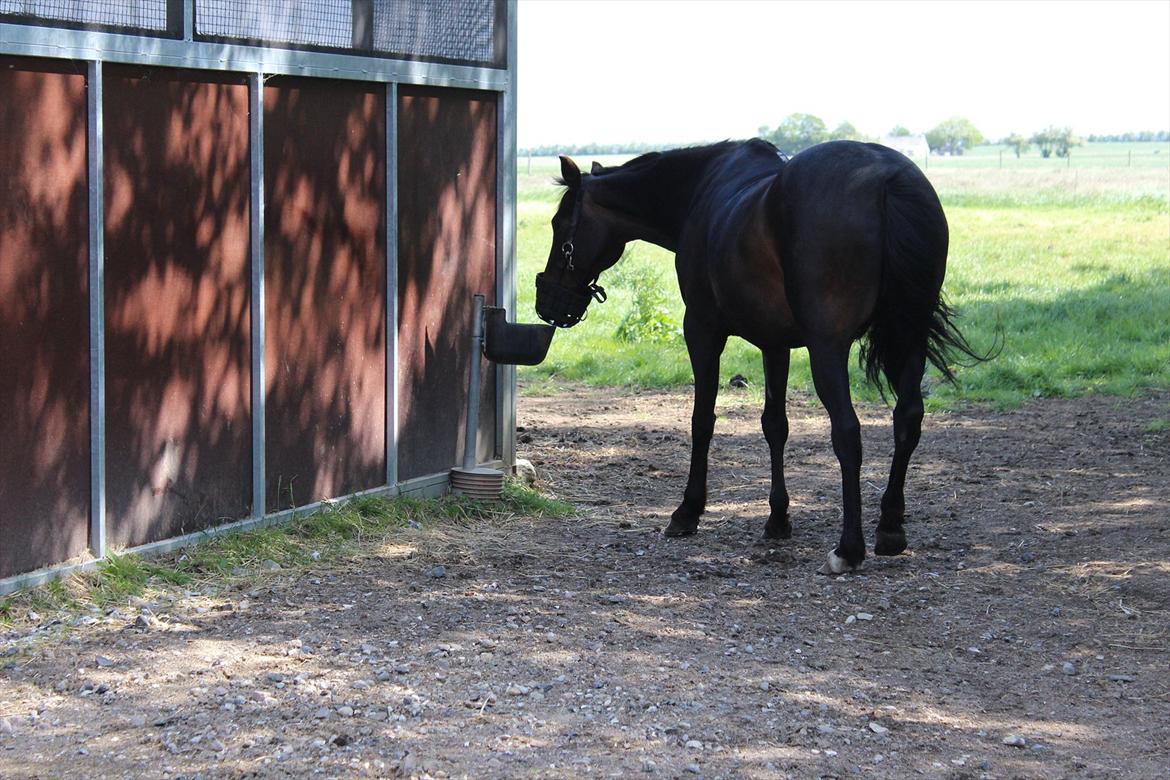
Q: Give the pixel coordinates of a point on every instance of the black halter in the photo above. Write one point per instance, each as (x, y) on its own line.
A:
(560, 305)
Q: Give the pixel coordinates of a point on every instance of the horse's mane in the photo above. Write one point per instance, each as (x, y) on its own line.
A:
(681, 154)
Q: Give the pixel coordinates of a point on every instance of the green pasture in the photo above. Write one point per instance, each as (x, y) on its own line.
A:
(1071, 265)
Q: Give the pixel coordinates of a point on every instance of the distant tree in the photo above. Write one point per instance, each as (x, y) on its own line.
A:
(1056, 140)
(845, 132)
(953, 136)
(796, 132)
(900, 132)
(1017, 143)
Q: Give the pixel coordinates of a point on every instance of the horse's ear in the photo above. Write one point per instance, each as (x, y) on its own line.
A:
(570, 173)
(597, 168)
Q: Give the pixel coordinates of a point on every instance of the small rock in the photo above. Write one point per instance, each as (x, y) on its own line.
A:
(878, 728)
(33, 617)
(616, 598)
(321, 713)
(1069, 668)
(864, 616)
(694, 744)
(269, 565)
(104, 662)
(437, 572)
(345, 711)
(694, 769)
(1125, 678)
(361, 685)
(138, 721)
(1015, 740)
(275, 677)
(525, 471)
(6, 726)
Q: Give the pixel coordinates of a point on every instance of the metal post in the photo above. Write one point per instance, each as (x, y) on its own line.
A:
(97, 313)
(391, 285)
(471, 432)
(506, 241)
(256, 154)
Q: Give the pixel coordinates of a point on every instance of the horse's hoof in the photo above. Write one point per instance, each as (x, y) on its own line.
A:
(889, 542)
(837, 565)
(677, 529)
(778, 529)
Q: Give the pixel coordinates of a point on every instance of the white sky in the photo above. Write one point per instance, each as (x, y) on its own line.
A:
(665, 71)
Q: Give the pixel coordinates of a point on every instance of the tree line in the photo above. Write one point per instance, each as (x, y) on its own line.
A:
(952, 136)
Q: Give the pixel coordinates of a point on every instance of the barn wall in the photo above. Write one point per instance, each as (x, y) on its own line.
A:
(177, 182)
(146, 270)
(44, 323)
(325, 281)
(446, 254)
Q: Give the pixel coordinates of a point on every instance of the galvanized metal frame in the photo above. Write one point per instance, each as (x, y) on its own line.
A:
(392, 285)
(506, 241)
(28, 41)
(98, 48)
(256, 230)
(97, 317)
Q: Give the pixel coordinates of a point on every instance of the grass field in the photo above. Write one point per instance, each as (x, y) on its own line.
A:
(1072, 263)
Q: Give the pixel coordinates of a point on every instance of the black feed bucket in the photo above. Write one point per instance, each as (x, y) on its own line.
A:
(511, 343)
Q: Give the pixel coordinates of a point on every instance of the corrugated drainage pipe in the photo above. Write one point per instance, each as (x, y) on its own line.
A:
(471, 480)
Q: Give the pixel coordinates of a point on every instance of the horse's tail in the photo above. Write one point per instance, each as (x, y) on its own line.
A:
(911, 313)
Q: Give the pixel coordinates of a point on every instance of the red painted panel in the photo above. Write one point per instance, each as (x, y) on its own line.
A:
(178, 377)
(325, 289)
(44, 320)
(446, 254)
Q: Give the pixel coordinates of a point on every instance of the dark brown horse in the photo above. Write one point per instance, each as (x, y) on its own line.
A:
(845, 241)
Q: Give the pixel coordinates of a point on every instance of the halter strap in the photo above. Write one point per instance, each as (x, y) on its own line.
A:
(567, 246)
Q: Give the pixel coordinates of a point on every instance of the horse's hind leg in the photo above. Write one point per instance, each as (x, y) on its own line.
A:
(830, 371)
(704, 346)
(774, 421)
(891, 538)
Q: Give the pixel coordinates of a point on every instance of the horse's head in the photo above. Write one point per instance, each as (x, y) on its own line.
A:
(584, 244)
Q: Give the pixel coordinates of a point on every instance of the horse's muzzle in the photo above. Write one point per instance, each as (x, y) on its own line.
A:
(561, 306)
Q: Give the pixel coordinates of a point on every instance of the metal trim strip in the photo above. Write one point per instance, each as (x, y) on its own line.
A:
(256, 229)
(391, 284)
(24, 40)
(97, 313)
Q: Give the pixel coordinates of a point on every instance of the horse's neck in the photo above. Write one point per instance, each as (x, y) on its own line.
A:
(650, 201)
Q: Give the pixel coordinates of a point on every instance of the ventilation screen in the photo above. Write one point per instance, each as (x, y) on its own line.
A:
(317, 23)
(146, 15)
(452, 30)
(462, 31)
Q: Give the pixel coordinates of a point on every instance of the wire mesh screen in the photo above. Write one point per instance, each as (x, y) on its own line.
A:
(317, 23)
(441, 29)
(147, 15)
(453, 30)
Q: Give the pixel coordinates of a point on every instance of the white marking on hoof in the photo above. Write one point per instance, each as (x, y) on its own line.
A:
(836, 565)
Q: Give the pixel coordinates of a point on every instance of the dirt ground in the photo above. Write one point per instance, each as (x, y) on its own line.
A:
(1023, 635)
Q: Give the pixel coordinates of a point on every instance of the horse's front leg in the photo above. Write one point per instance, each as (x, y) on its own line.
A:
(704, 345)
(774, 421)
